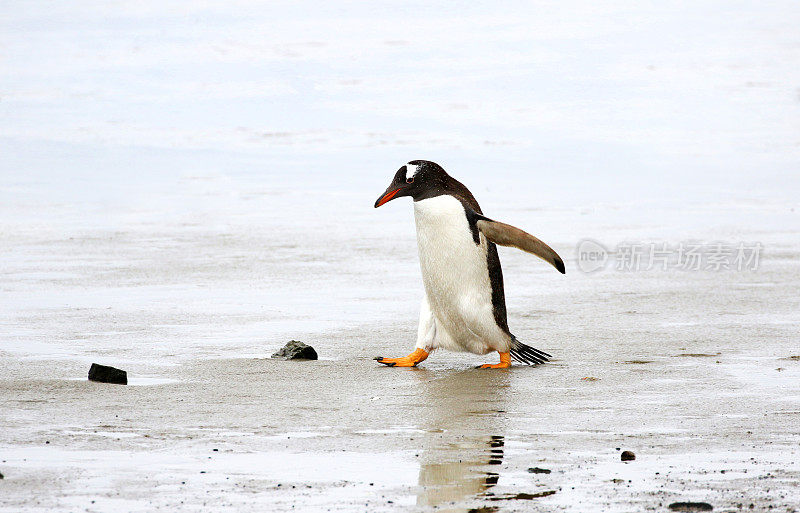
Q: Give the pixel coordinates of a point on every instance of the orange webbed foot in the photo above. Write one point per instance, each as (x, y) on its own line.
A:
(419, 355)
(505, 362)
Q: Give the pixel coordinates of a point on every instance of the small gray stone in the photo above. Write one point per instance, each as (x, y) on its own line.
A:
(538, 470)
(296, 350)
(105, 374)
(691, 506)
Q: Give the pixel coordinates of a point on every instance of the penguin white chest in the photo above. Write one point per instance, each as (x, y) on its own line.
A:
(455, 274)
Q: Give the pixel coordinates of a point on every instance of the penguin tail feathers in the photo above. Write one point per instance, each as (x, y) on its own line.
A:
(527, 354)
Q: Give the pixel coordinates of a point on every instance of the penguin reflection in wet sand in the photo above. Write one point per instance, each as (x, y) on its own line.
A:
(464, 307)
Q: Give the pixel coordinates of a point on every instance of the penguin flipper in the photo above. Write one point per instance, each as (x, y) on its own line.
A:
(507, 235)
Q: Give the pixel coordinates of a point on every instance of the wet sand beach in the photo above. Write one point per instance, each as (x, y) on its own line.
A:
(707, 402)
(184, 189)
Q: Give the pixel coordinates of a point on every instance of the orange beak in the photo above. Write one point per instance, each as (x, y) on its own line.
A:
(387, 196)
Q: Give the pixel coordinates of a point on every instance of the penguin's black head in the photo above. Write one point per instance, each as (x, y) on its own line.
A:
(418, 179)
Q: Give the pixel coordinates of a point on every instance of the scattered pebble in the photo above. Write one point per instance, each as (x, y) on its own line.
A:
(1, 475)
(690, 506)
(537, 470)
(296, 350)
(106, 374)
(627, 456)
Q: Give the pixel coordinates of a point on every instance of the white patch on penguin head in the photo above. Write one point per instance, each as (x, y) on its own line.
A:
(411, 170)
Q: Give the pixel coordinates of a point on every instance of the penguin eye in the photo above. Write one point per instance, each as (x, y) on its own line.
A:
(410, 180)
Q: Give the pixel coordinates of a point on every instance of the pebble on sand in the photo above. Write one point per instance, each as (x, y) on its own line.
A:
(105, 374)
(296, 350)
(627, 456)
(538, 470)
(690, 506)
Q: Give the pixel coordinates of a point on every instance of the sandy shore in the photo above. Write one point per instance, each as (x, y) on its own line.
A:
(696, 372)
(186, 187)
(709, 407)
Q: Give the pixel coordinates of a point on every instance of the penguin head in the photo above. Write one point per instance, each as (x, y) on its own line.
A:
(416, 179)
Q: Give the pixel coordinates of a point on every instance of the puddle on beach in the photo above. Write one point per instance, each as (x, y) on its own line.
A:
(455, 485)
(139, 381)
(452, 482)
(450, 455)
(459, 463)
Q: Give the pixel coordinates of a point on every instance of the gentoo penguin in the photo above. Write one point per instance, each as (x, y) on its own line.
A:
(464, 307)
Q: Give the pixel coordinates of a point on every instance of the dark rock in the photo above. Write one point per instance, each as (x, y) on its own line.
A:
(1, 475)
(690, 506)
(627, 456)
(296, 350)
(537, 470)
(105, 374)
